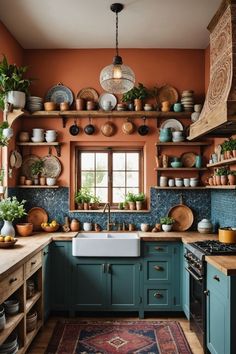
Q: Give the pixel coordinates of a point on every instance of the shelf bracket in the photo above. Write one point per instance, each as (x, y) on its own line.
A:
(58, 150)
(64, 120)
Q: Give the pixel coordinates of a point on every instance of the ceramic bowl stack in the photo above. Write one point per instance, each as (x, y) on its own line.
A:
(10, 346)
(34, 103)
(187, 100)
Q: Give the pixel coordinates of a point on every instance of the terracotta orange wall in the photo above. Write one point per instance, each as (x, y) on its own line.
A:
(183, 69)
(207, 67)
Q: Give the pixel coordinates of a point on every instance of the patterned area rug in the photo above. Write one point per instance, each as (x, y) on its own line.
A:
(112, 337)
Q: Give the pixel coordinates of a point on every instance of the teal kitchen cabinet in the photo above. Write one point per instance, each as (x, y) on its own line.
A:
(161, 276)
(46, 280)
(60, 275)
(221, 312)
(106, 284)
(185, 285)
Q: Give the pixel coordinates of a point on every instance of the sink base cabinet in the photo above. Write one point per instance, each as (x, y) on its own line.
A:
(106, 284)
(221, 312)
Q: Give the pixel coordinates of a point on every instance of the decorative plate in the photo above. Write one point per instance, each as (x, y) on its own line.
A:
(88, 94)
(59, 93)
(188, 159)
(26, 165)
(174, 124)
(8, 244)
(107, 97)
(52, 166)
(168, 93)
(37, 216)
(183, 216)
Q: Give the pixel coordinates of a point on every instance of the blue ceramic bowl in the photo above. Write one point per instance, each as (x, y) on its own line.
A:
(176, 164)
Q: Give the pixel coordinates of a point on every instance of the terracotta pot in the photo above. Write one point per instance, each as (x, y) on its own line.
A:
(138, 104)
(42, 181)
(22, 179)
(50, 106)
(234, 153)
(223, 180)
(80, 206)
(165, 106)
(232, 179)
(214, 180)
(86, 206)
(218, 180)
(24, 229)
(132, 205)
(64, 106)
(210, 181)
(80, 103)
(139, 205)
(74, 225)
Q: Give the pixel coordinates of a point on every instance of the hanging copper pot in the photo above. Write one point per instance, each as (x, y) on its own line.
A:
(108, 129)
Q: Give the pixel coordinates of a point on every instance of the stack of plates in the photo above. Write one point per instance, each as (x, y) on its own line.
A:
(10, 346)
(34, 103)
(187, 100)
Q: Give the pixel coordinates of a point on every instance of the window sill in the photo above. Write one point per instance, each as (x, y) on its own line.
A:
(112, 211)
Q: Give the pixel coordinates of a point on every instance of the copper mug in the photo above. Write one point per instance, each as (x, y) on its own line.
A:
(90, 105)
(79, 103)
(64, 106)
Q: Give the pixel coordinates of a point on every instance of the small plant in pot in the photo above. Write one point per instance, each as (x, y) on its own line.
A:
(13, 85)
(232, 177)
(140, 199)
(137, 94)
(221, 176)
(10, 209)
(36, 169)
(82, 198)
(131, 200)
(95, 202)
(167, 223)
(226, 149)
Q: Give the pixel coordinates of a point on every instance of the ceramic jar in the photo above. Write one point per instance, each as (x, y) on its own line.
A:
(165, 135)
(38, 135)
(198, 161)
(165, 106)
(79, 104)
(205, 226)
(179, 182)
(74, 225)
(163, 181)
(87, 226)
(24, 137)
(64, 106)
(144, 227)
(177, 107)
(166, 228)
(50, 136)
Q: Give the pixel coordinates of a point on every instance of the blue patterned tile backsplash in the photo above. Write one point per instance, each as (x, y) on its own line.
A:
(56, 203)
(223, 208)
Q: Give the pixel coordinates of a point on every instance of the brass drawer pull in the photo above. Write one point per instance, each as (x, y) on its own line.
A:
(33, 263)
(216, 278)
(158, 268)
(12, 280)
(158, 248)
(158, 295)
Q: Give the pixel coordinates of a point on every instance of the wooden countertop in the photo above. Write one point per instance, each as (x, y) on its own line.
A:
(26, 247)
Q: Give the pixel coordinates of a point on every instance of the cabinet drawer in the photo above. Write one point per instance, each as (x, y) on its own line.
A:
(152, 249)
(11, 283)
(33, 264)
(217, 280)
(157, 297)
(157, 270)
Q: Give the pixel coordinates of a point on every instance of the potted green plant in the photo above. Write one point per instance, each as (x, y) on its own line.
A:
(10, 209)
(221, 176)
(82, 198)
(232, 177)
(136, 94)
(36, 169)
(167, 223)
(95, 202)
(226, 148)
(139, 199)
(131, 200)
(13, 85)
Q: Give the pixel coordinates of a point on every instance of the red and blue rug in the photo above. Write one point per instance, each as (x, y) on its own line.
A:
(112, 337)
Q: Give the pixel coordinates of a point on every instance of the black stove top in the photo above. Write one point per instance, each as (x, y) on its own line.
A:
(210, 247)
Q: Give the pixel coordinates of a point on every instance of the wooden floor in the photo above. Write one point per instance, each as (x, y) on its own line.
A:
(40, 342)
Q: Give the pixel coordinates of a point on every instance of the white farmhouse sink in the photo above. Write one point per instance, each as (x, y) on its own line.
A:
(106, 244)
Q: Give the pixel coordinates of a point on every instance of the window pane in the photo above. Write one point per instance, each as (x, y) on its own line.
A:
(119, 179)
(118, 161)
(102, 161)
(132, 161)
(118, 195)
(87, 161)
(87, 179)
(102, 179)
(132, 190)
(132, 179)
(102, 193)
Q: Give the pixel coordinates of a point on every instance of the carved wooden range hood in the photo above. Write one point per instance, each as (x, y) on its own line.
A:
(218, 116)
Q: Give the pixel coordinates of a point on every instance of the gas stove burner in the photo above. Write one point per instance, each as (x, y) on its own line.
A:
(210, 247)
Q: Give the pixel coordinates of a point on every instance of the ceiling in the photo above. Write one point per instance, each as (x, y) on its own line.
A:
(91, 24)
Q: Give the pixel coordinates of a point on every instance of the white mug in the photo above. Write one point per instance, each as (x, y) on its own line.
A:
(87, 226)
(163, 181)
(186, 182)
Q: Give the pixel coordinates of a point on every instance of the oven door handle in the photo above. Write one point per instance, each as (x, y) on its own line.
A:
(194, 275)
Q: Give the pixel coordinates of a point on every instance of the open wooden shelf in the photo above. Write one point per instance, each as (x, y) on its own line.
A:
(36, 186)
(180, 169)
(184, 143)
(221, 187)
(186, 188)
(222, 163)
(30, 302)
(11, 323)
(44, 143)
(31, 335)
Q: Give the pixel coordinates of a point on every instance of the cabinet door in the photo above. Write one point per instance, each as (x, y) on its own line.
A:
(46, 281)
(89, 284)
(123, 284)
(60, 275)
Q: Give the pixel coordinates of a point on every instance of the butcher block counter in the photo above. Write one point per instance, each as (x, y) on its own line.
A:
(26, 247)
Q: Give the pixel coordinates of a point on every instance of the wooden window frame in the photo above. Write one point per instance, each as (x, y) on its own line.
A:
(110, 151)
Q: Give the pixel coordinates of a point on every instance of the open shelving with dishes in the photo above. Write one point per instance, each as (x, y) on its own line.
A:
(223, 177)
(56, 145)
(183, 147)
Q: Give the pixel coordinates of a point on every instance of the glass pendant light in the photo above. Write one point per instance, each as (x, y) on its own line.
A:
(117, 77)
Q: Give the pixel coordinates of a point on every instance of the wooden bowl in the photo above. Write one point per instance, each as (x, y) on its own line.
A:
(50, 228)
(8, 244)
(24, 229)
(50, 106)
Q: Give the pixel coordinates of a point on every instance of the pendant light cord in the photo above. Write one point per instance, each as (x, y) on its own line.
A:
(117, 24)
